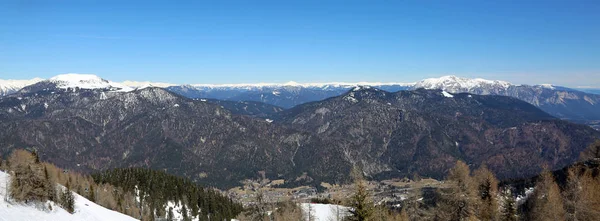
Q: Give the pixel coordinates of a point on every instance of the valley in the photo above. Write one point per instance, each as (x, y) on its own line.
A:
(299, 110)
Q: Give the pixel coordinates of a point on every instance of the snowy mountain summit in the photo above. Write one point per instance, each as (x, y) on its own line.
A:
(12, 86)
(85, 81)
(456, 84)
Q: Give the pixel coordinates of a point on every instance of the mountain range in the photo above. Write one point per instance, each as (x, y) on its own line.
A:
(579, 106)
(86, 123)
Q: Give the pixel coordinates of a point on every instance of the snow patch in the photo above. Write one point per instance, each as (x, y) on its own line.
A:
(455, 84)
(522, 198)
(446, 94)
(86, 81)
(324, 212)
(549, 86)
(269, 120)
(351, 99)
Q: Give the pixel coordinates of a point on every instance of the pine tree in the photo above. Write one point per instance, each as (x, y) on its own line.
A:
(184, 213)
(170, 214)
(67, 200)
(361, 203)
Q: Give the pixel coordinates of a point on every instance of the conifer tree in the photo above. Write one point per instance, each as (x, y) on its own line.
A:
(170, 214)
(547, 203)
(361, 202)
(28, 182)
(184, 213)
(508, 206)
(92, 194)
(487, 190)
(582, 195)
(50, 185)
(67, 200)
(458, 202)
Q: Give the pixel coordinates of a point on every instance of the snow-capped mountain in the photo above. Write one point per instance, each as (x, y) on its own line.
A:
(12, 86)
(456, 84)
(85, 81)
(559, 101)
(284, 95)
(328, 85)
(152, 127)
(74, 82)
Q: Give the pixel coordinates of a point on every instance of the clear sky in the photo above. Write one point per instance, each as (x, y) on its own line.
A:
(536, 41)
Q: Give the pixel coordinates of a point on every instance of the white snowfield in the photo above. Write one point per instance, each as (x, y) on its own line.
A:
(324, 212)
(87, 81)
(11, 86)
(84, 209)
(453, 83)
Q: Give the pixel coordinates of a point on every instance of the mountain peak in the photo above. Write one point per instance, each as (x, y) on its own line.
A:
(454, 84)
(11, 86)
(76, 77)
(85, 81)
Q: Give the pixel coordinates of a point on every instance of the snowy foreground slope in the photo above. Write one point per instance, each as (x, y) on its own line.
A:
(84, 209)
(324, 212)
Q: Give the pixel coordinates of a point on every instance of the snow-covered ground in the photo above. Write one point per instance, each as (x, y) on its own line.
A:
(84, 209)
(324, 212)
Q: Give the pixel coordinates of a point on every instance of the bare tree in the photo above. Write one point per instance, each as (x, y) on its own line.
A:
(458, 202)
(309, 212)
(288, 210)
(591, 152)
(546, 199)
(258, 212)
(28, 182)
(582, 195)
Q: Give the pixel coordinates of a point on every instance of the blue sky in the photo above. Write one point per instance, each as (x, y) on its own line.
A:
(541, 41)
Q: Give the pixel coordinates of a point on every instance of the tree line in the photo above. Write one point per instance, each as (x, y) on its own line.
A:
(137, 192)
(155, 189)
